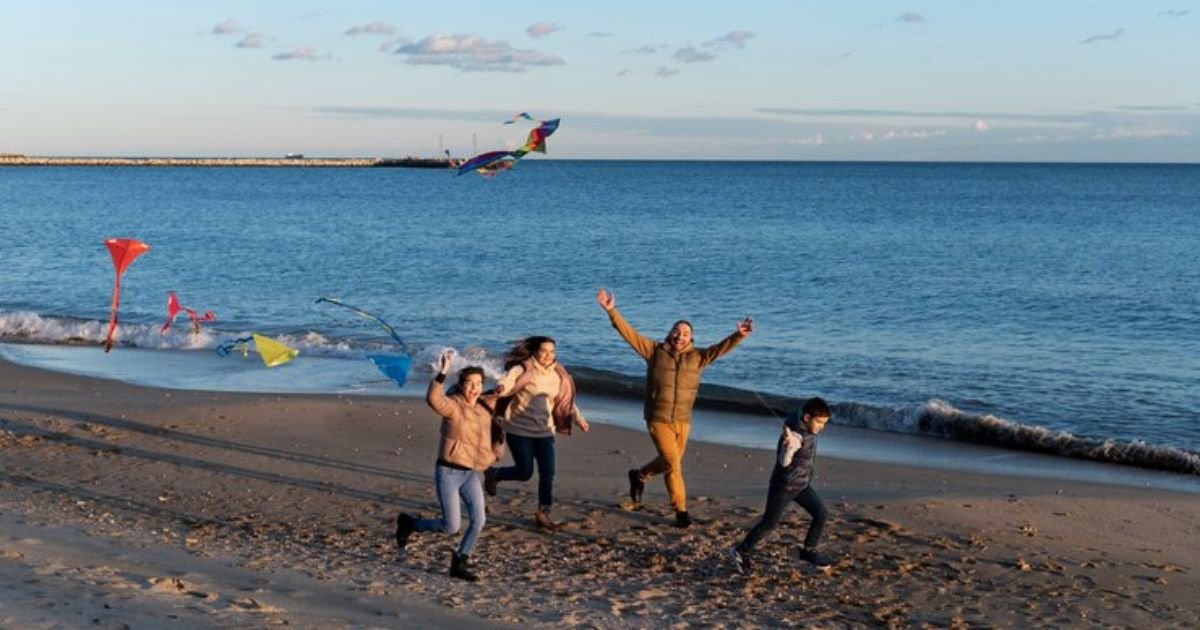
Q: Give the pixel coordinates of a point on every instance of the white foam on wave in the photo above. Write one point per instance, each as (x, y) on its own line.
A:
(941, 419)
(29, 327)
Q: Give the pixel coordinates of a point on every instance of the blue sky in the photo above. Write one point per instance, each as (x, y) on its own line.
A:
(950, 80)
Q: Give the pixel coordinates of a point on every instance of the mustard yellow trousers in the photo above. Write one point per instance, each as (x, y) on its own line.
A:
(670, 438)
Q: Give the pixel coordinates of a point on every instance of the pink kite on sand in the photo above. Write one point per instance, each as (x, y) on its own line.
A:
(124, 251)
(174, 308)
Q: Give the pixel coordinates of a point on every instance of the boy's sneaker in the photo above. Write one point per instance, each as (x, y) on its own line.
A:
(636, 486)
(404, 529)
(815, 557)
(741, 561)
(491, 481)
(682, 519)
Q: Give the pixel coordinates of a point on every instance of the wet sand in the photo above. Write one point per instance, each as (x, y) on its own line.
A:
(123, 506)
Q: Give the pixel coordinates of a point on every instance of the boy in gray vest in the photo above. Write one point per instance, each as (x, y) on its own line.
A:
(791, 481)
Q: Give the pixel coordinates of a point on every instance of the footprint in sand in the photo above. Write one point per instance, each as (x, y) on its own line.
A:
(250, 604)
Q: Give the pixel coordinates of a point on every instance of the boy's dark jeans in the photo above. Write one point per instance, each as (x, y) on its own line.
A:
(777, 502)
(525, 451)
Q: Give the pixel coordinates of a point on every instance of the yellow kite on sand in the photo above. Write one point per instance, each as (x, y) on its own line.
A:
(272, 352)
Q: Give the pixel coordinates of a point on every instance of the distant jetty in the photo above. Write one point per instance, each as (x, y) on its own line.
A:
(291, 161)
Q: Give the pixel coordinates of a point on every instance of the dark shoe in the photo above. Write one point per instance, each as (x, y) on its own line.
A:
(682, 519)
(815, 557)
(460, 570)
(636, 486)
(404, 529)
(544, 523)
(491, 481)
(741, 561)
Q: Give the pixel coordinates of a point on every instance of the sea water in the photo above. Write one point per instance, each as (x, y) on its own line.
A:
(1016, 303)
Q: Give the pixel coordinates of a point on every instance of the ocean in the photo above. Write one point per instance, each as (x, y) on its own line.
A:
(1046, 307)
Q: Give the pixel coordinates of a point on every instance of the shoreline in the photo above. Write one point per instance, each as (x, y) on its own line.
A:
(937, 434)
(261, 509)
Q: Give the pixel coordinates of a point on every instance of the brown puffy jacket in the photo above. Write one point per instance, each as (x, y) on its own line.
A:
(672, 380)
(467, 437)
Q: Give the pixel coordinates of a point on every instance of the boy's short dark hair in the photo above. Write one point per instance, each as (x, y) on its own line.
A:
(816, 407)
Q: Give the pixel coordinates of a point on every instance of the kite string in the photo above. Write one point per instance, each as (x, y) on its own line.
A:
(769, 408)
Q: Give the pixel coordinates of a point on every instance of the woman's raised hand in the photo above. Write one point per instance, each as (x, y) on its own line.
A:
(446, 358)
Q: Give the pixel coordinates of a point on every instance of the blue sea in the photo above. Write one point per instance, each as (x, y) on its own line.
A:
(1048, 307)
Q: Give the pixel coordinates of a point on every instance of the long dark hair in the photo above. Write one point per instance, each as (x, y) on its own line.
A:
(523, 349)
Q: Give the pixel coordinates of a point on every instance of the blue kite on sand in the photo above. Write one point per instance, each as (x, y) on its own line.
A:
(393, 366)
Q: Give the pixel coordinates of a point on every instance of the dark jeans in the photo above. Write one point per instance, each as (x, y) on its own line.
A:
(777, 501)
(525, 450)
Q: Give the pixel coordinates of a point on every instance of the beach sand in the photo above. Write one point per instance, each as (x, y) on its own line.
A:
(123, 506)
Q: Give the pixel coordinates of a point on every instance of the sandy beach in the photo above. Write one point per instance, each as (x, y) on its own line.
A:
(123, 506)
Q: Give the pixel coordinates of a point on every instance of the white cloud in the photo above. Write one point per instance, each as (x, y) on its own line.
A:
(688, 54)
(691, 54)
(474, 53)
(1177, 13)
(225, 28)
(390, 45)
(1104, 37)
(648, 49)
(602, 34)
(664, 71)
(897, 134)
(1037, 139)
(816, 140)
(251, 40)
(542, 29)
(1121, 133)
(374, 28)
(911, 17)
(623, 72)
(981, 126)
(736, 39)
(912, 134)
(299, 52)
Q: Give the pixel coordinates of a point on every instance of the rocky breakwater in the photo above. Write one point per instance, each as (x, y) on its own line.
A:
(290, 162)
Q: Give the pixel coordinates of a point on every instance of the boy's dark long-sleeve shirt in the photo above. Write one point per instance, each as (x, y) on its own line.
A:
(797, 475)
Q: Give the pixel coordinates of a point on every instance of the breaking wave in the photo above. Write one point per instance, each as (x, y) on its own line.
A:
(28, 327)
(938, 418)
(934, 418)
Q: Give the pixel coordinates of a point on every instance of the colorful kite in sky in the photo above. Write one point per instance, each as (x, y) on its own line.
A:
(174, 309)
(490, 163)
(124, 251)
(273, 353)
(524, 115)
(393, 366)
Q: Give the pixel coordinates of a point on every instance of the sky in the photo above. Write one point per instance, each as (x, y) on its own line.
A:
(951, 80)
